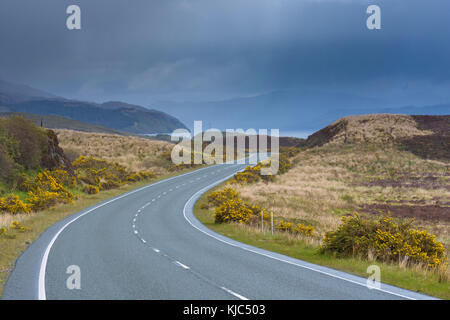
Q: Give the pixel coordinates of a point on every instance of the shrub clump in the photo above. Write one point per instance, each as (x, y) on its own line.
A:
(90, 189)
(18, 227)
(14, 205)
(253, 174)
(218, 197)
(48, 189)
(41, 199)
(305, 230)
(232, 210)
(300, 229)
(385, 239)
(105, 175)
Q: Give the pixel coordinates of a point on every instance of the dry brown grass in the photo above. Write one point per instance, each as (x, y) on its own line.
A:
(328, 182)
(377, 128)
(133, 152)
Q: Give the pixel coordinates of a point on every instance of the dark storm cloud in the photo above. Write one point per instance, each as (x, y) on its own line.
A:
(149, 50)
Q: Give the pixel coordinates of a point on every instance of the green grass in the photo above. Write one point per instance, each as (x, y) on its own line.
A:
(12, 247)
(409, 278)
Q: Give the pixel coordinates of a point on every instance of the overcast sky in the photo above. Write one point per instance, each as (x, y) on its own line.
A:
(144, 51)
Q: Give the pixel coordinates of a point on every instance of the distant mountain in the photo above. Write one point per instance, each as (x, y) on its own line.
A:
(116, 115)
(288, 110)
(14, 93)
(58, 122)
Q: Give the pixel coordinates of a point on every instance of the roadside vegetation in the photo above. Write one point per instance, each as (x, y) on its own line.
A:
(347, 203)
(132, 152)
(40, 184)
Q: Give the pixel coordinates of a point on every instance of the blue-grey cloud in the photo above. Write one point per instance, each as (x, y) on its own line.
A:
(146, 51)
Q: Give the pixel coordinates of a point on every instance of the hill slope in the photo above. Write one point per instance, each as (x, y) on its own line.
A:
(426, 136)
(370, 164)
(58, 122)
(115, 115)
(14, 93)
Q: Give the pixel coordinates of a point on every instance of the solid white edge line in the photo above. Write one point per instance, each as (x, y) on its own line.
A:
(41, 279)
(269, 256)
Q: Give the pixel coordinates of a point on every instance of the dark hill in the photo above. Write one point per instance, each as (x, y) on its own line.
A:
(58, 122)
(116, 115)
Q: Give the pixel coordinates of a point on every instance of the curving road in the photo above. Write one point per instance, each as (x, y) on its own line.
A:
(147, 244)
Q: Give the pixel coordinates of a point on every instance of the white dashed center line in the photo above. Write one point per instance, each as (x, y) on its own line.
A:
(182, 265)
(237, 295)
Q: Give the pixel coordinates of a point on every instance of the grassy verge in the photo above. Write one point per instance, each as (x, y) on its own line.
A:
(409, 278)
(11, 248)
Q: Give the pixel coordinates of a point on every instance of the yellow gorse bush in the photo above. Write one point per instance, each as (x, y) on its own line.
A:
(219, 197)
(41, 199)
(253, 174)
(232, 210)
(16, 226)
(300, 229)
(390, 241)
(14, 205)
(44, 191)
(89, 189)
(304, 230)
(51, 187)
(106, 175)
(284, 226)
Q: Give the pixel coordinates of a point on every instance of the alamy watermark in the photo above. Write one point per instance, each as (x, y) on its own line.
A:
(73, 21)
(74, 280)
(232, 146)
(374, 279)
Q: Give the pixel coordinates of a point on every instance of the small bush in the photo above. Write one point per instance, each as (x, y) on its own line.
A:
(110, 182)
(304, 230)
(232, 210)
(90, 189)
(249, 175)
(284, 226)
(385, 239)
(147, 174)
(14, 205)
(218, 197)
(41, 199)
(134, 177)
(16, 226)
(105, 174)
(64, 178)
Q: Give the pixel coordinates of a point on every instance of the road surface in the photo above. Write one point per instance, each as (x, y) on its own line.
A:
(147, 244)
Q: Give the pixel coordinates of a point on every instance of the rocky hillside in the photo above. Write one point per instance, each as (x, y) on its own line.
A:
(426, 136)
(24, 146)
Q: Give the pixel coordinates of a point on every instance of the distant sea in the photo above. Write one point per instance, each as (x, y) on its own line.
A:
(283, 133)
(296, 134)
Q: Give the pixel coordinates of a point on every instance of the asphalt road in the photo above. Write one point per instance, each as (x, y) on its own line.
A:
(147, 244)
